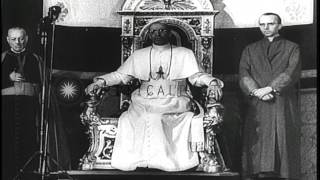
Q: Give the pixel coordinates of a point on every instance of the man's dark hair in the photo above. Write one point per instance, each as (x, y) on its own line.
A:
(272, 14)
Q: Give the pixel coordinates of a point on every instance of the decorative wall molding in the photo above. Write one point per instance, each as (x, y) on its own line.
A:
(312, 73)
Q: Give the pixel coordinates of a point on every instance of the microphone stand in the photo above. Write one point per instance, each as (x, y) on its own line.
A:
(46, 90)
(44, 37)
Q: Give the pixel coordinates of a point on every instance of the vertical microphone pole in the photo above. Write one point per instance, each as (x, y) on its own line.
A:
(46, 123)
(44, 37)
(54, 12)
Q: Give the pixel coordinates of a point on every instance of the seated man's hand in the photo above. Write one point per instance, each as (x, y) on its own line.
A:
(95, 88)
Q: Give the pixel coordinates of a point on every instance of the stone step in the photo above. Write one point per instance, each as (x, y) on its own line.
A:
(117, 174)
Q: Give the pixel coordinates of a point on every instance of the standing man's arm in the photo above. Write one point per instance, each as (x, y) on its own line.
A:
(291, 74)
(285, 79)
(5, 80)
(246, 82)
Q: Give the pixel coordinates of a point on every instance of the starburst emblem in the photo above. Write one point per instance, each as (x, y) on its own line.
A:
(68, 90)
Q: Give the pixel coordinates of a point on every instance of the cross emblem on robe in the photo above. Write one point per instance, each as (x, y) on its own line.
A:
(160, 73)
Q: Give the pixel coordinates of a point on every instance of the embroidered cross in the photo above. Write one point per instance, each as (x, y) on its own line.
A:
(160, 73)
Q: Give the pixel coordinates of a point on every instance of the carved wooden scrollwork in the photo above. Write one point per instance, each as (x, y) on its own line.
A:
(127, 46)
(206, 52)
(139, 23)
(127, 26)
(195, 23)
(211, 159)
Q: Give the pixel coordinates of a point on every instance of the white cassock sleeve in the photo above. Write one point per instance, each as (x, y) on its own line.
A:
(114, 78)
(203, 79)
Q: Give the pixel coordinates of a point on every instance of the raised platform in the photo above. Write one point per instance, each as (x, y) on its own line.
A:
(117, 174)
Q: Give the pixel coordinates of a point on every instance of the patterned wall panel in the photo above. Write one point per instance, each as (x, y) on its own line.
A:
(308, 134)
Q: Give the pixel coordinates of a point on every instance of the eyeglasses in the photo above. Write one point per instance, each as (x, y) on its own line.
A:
(269, 24)
(20, 39)
(158, 30)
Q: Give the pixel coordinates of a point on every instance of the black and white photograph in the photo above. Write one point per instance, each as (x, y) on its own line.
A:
(166, 89)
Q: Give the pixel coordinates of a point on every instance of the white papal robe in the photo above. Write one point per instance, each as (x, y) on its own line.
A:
(159, 130)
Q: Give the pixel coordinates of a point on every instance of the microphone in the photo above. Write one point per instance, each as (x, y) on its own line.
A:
(43, 25)
(54, 12)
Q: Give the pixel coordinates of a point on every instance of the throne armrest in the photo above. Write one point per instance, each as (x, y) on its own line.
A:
(90, 113)
(211, 159)
(90, 116)
(101, 130)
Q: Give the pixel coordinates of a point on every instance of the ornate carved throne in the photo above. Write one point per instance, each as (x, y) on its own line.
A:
(192, 22)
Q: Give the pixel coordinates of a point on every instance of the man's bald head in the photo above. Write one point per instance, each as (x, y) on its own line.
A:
(17, 39)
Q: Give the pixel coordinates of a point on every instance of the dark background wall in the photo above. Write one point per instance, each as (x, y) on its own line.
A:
(87, 49)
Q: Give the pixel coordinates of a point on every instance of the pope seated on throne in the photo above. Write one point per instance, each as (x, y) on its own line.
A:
(160, 130)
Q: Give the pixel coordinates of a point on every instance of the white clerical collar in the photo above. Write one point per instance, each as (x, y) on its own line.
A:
(161, 47)
(273, 37)
(19, 51)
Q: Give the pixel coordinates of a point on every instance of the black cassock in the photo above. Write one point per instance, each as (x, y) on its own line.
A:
(19, 120)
